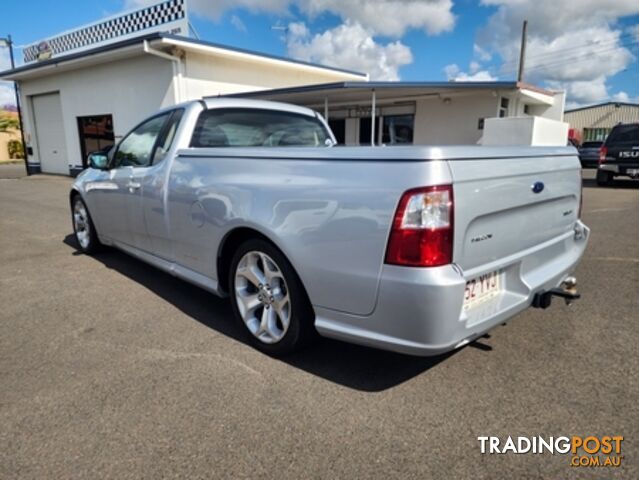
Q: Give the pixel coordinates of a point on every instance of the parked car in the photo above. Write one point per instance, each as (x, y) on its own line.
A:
(619, 155)
(415, 249)
(589, 154)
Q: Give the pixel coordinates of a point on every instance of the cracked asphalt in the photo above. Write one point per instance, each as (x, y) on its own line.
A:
(112, 369)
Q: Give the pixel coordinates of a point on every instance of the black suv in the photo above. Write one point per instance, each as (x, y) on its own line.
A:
(619, 154)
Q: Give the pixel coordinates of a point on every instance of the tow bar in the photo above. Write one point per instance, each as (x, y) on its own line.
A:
(567, 290)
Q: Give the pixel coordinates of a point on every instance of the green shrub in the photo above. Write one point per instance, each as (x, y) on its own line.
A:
(8, 122)
(15, 148)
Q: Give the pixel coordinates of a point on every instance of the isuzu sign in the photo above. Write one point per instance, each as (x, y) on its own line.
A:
(633, 154)
(169, 16)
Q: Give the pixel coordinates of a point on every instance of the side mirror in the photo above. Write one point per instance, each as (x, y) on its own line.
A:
(98, 160)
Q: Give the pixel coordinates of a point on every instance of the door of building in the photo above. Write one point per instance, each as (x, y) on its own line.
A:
(96, 134)
(50, 138)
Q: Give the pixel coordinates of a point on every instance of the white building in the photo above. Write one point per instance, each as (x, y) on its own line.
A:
(440, 113)
(82, 102)
(84, 89)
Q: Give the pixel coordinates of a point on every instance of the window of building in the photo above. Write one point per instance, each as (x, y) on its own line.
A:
(503, 107)
(398, 129)
(338, 126)
(365, 130)
(96, 134)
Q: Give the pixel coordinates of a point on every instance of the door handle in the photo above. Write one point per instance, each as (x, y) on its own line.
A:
(133, 186)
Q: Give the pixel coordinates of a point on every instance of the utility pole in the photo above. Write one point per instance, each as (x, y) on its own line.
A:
(522, 51)
(9, 43)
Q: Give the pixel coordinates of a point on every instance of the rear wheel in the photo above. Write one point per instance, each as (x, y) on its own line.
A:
(604, 178)
(83, 227)
(269, 300)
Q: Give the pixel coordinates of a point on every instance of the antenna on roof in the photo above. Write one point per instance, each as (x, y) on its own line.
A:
(195, 34)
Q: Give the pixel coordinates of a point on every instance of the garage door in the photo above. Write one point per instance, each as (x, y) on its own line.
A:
(47, 111)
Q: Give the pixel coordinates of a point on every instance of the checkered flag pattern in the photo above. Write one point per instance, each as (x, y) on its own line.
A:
(138, 21)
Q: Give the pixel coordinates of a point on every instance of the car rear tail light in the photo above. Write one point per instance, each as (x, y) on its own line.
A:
(603, 151)
(422, 232)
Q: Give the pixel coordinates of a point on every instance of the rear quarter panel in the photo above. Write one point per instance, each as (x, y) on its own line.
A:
(330, 218)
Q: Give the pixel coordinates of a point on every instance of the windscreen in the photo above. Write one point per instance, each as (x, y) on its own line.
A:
(245, 127)
(624, 135)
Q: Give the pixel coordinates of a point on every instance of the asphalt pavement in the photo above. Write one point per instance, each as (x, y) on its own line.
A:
(110, 368)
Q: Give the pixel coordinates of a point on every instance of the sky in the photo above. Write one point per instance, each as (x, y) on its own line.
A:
(590, 48)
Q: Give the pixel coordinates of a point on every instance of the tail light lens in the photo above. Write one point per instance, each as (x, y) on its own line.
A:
(422, 233)
(603, 151)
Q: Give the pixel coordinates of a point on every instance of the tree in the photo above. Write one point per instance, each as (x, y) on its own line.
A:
(8, 122)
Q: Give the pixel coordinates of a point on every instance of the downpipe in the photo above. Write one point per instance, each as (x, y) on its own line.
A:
(567, 290)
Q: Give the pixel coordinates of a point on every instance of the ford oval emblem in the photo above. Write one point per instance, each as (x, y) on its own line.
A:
(538, 187)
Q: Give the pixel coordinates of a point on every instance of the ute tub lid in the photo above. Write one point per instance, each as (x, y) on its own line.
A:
(396, 153)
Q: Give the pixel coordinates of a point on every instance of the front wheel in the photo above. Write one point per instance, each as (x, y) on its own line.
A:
(269, 300)
(604, 178)
(83, 227)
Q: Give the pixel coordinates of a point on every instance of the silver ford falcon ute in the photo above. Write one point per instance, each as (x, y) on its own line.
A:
(416, 249)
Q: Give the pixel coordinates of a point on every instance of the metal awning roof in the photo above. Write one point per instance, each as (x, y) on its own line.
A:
(360, 92)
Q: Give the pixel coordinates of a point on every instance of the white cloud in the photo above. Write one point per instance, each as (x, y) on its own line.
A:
(389, 17)
(481, 54)
(454, 74)
(5, 62)
(7, 95)
(624, 98)
(349, 46)
(574, 46)
(380, 17)
(238, 23)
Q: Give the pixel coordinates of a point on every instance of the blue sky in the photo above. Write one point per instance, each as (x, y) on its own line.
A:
(589, 47)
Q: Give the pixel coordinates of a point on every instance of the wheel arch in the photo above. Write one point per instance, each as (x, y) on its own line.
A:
(231, 242)
(72, 194)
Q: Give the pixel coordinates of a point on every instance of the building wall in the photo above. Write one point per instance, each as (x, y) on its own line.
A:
(603, 116)
(440, 123)
(129, 89)
(216, 75)
(595, 123)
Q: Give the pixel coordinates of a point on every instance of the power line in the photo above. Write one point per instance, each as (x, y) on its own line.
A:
(562, 61)
(578, 54)
(569, 49)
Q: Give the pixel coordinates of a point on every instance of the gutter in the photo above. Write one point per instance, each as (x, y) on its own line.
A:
(176, 62)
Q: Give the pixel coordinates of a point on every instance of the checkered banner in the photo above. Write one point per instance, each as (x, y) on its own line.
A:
(168, 16)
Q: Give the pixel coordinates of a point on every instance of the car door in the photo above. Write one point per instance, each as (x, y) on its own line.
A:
(118, 197)
(152, 234)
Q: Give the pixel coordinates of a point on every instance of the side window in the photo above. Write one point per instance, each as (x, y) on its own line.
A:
(137, 147)
(168, 135)
(243, 127)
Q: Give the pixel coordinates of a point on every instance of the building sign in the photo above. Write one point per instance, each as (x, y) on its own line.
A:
(169, 16)
(44, 50)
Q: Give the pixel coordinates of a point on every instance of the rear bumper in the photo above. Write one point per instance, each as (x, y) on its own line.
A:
(619, 168)
(419, 310)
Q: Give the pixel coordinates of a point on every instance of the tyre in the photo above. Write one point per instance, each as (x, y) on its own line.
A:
(83, 228)
(604, 178)
(269, 300)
